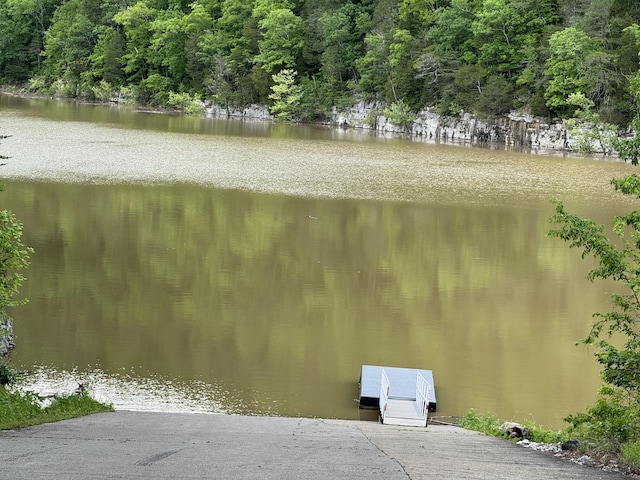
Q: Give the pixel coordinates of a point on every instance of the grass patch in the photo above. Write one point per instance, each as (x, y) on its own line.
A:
(594, 432)
(540, 434)
(486, 423)
(630, 453)
(490, 425)
(23, 409)
(8, 375)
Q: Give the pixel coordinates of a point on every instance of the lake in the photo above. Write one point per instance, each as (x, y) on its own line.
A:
(195, 264)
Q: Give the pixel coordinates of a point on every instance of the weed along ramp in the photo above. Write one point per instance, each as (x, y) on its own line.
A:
(180, 446)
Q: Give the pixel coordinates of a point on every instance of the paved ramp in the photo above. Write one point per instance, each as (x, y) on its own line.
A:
(187, 446)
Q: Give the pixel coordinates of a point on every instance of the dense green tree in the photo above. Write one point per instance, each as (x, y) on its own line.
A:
(403, 54)
(106, 58)
(68, 47)
(136, 23)
(286, 95)
(571, 50)
(220, 82)
(593, 18)
(343, 31)
(23, 27)
(167, 53)
(487, 56)
(374, 66)
(496, 26)
(416, 15)
(496, 97)
(15, 36)
(226, 53)
(449, 44)
(196, 24)
(384, 16)
(282, 40)
(469, 81)
(629, 148)
(506, 30)
(336, 32)
(451, 29)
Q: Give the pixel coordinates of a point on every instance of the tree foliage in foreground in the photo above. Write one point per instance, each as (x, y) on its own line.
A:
(14, 257)
(614, 421)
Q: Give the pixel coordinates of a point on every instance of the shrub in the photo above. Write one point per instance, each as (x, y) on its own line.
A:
(102, 90)
(8, 375)
(490, 425)
(286, 95)
(542, 435)
(631, 454)
(487, 423)
(400, 115)
(187, 104)
(609, 424)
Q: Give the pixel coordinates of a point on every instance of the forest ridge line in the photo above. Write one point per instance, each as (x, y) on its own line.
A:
(303, 58)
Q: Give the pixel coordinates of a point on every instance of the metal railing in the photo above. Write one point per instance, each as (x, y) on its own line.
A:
(422, 396)
(384, 395)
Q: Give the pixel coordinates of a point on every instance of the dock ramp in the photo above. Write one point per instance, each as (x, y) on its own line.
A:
(404, 396)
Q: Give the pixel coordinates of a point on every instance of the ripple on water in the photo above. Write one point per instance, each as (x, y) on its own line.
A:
(128, 391)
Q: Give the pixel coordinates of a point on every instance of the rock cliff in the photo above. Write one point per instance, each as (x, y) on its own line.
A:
(6, 337)
(511, 131)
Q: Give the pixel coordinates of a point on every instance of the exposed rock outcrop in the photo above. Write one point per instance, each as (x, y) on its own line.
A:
(6, 337)
(515, 430)
(256, 112)
(513, 130)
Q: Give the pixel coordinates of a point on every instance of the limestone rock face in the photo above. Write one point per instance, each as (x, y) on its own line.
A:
(6, 337)
(514, 130)
(255, 112)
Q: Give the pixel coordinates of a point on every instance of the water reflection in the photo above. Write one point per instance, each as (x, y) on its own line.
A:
(265, 271)
(247, 292)
(129, 118)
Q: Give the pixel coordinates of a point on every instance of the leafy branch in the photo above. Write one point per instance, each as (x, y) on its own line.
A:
(621, 365)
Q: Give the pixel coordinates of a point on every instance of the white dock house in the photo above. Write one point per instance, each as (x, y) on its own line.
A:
(404, 396)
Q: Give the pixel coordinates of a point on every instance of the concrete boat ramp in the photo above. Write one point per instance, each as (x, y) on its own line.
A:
(145, 445)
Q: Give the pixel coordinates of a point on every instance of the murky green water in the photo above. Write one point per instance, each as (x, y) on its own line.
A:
(193, 264)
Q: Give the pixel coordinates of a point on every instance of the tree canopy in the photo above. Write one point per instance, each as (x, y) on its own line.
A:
(484, 56)
(14, 257)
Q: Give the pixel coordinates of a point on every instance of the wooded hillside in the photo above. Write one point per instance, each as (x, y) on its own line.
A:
(303, 57)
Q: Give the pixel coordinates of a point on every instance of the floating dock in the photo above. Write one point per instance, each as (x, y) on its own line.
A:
(402, 385)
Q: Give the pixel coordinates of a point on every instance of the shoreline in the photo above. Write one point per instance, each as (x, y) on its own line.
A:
(512, 132)
(151, 445)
